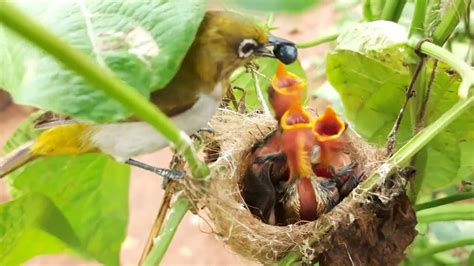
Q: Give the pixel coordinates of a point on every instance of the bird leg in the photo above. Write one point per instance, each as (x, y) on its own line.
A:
(167, 174)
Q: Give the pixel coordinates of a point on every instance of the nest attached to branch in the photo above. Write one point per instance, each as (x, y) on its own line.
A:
(370, 226)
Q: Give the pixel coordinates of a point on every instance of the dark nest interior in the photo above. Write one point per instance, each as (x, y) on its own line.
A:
(371, 226)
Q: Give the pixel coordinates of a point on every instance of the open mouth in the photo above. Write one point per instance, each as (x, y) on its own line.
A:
(328, 126)
(287, 83)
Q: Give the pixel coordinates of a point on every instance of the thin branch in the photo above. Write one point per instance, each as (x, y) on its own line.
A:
(258, 89)
(409, 93)
(318, 41)
(430, 250)
(422, 114)
(443, 201)
(163, 240)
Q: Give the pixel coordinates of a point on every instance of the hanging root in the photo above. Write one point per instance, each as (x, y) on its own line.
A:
(380, 219)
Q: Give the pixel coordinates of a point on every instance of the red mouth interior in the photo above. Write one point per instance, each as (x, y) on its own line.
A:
(328, 127)
(286, 82)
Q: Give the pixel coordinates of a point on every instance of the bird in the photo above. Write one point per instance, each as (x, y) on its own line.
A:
(224, 42)
(330, 159)
(304, 197)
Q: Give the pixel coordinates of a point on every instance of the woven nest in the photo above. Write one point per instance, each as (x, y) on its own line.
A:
(370, 226)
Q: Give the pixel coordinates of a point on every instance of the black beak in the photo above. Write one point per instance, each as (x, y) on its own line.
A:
(283, 50)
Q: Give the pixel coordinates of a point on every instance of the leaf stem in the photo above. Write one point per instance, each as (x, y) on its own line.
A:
(430, 250)
(393, 10)
(289, 259)
(163, 240)
(450, 20)
(452, 212)
(443, 201)
(102, 79)
(466, 72)
(417, 27)
(323, 39)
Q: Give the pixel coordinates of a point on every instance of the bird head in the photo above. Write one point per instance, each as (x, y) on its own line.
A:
(287, 89)
(227, 40)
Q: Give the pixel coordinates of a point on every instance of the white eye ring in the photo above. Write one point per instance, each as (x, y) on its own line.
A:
(246, 43)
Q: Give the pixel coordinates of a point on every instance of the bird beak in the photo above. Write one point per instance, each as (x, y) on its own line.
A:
(328, 127)
(272, 42)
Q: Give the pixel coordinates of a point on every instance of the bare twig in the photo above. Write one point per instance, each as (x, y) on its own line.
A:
(422, 115)
(392, 136)
(253, 70)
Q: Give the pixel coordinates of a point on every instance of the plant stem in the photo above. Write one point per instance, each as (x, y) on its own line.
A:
(393, 10)
(430, 250)
(428, 133)
(451, 212)
(449, 21)
(466, 72)
(163, 240)
(443, 201)
(102, 79)
(417, 27)
(318, 41)
(289, 259)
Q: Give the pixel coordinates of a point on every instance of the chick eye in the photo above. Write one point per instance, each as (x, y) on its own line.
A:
(247, 47)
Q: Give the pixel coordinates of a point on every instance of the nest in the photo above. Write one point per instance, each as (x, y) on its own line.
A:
(379, 219)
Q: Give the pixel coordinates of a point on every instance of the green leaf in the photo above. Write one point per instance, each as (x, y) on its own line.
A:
(370, 69)
(143, 43)
(267, 67)
(33, 225)
(90, 190)
(275, 5)
(24, 133)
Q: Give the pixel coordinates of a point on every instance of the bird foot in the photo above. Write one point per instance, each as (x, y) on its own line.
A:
(167, 174)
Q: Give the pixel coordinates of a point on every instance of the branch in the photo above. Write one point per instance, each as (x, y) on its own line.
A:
(318, 41)
(443, 201)
(417, 27)
(393, 10)
(450, 20)
(466, 72)
(162, 241)
(443, 247)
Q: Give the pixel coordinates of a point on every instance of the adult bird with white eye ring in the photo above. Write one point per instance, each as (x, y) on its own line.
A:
(224, 42)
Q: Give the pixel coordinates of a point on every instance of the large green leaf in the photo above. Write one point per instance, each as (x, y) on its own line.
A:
(143, 42)
(90, 190)
(370, 68)
(267, 69)
(33, 225)
(275, 5)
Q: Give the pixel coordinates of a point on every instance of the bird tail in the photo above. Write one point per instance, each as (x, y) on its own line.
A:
(16, 159)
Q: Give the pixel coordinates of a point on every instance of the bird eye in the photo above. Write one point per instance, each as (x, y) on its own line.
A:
(247, 47)
(286, 53)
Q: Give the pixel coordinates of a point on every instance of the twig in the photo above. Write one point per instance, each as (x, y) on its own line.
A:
(157, 224)
(392, 136)
(422, 115)
(443, 201)
(258, 89)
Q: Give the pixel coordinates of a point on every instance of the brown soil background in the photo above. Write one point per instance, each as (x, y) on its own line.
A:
(193, 244)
